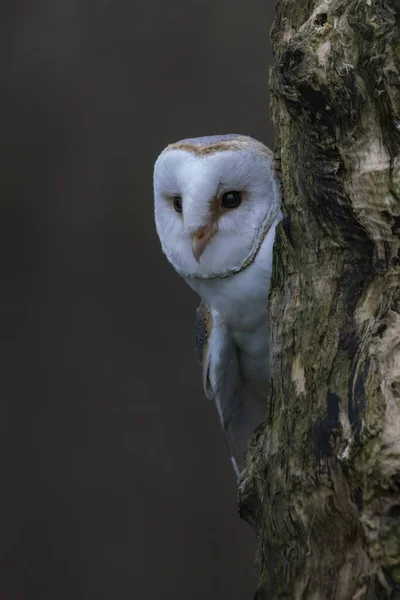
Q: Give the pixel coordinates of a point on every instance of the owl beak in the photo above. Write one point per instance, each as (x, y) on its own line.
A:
(200, 239)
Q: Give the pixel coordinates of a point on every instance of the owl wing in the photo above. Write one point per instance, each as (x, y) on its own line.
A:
(204, 325)
(220, 361)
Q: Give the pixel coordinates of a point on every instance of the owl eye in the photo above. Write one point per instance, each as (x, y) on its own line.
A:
(177, 202)
(231, 199)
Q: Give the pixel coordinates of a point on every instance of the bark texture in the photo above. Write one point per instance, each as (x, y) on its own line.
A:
(323, 490)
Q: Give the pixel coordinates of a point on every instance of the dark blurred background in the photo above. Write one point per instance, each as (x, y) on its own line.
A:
(115, 480)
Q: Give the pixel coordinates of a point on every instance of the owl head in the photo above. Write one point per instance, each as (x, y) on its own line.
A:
(215, 197)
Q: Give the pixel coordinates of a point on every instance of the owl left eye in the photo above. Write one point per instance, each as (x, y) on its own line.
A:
(177, 202)
(231, 199)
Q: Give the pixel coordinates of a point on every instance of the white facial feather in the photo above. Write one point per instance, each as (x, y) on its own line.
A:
(229, 265)
(198, 180)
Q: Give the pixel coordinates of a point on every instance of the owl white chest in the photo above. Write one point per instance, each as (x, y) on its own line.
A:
(240, 302)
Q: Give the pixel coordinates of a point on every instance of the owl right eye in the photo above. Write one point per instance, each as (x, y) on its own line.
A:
(177, 202)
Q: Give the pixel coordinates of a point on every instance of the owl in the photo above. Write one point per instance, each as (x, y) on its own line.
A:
(217, 205)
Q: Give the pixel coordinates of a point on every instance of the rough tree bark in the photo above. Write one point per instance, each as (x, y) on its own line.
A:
(323, 490)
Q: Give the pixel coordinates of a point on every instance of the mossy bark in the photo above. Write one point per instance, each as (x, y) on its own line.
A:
(323, 488)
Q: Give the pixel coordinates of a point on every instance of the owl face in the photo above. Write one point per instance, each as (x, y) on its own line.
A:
(214, 197)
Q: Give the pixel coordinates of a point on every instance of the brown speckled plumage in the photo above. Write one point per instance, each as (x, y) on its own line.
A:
(205, 146)
(204, 325)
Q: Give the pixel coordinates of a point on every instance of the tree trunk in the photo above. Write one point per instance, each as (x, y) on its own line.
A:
(324, 477)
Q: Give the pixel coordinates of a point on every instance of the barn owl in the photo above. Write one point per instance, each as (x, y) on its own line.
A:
(217, 205)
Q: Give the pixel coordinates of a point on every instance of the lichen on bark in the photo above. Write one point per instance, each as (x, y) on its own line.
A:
(323, 485)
